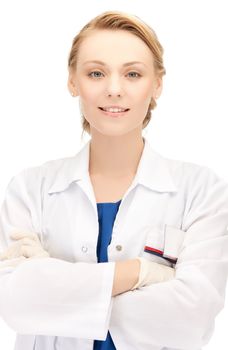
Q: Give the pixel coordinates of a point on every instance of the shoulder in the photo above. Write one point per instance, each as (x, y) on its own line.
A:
(191, 175)
(196, 182)
(204, 192)
(56, 175)
(40, 175)
(183, 174)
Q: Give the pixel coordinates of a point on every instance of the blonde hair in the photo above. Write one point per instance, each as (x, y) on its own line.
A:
(116, 20)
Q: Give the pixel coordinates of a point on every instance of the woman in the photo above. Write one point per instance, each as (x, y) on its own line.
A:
(116, 247)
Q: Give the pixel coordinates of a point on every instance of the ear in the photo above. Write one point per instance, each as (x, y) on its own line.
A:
(158, 87)
(71, 84)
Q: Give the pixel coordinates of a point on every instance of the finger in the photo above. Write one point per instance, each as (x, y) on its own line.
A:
(30, 242)
(26, 251)
(14, 250)
(23, 234)
(26, 241)
(31, 252)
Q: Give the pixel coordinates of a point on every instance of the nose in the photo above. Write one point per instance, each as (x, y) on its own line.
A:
(114, 86)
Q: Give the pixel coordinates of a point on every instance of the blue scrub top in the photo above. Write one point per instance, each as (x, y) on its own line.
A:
(106, 216)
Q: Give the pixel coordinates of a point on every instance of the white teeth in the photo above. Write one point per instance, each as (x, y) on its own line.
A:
(113, 110)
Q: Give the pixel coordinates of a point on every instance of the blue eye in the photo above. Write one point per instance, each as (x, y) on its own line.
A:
(138, 75)
(90, 74)
(95, 74)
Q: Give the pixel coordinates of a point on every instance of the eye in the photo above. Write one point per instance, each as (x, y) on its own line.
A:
(138, 75)
(95, 76)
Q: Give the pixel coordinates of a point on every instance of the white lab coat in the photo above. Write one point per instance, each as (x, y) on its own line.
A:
(177, 210)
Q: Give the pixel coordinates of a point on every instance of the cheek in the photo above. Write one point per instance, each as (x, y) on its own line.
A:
(143, 92)
(146, 90)
(89, 94)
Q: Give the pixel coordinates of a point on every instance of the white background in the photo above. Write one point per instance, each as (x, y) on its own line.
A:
(40, 121)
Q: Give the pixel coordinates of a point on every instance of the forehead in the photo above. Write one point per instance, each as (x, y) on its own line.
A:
(114, 45)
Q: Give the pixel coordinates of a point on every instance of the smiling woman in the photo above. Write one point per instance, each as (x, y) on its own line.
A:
(137, 72)
(100, 82)
(116, 247)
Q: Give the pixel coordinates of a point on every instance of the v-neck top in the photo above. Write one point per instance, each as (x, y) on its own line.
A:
(106, 215)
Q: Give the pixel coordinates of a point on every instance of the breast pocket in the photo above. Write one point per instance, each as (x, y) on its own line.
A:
(163, 245)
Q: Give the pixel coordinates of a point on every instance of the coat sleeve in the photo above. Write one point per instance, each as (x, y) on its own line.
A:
(49, 296)
(180, 313)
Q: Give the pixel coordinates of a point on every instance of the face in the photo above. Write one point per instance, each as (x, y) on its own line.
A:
(113, 81)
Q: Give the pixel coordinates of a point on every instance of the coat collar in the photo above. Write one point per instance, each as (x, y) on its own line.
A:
(153, 171)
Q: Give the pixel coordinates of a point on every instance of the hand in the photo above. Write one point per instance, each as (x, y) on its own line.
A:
(27, 246)
(152, 272)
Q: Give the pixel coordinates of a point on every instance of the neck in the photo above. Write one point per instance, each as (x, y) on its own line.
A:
(115, 156)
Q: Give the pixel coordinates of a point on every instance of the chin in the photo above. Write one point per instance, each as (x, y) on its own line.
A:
(111, 131)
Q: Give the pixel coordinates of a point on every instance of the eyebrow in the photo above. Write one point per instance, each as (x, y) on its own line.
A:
(124, 65)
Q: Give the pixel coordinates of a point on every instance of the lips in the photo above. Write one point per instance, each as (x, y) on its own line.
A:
(123, 110)
(114, 113)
